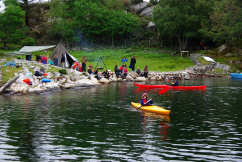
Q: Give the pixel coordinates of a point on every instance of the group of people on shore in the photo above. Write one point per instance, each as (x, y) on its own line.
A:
(122, 71)
(81, 67)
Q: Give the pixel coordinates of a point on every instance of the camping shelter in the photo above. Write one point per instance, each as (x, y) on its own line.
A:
(59, 52)
(27, 50)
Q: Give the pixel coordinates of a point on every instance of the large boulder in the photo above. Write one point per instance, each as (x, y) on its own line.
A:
(140, 79)
(129, 78)
(147, 12)
(139, 7)
(186, 76)
(222, 48)
(223, 67)
(104, 81)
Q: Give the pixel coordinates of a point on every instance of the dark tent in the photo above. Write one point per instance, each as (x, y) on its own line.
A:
(61, 52)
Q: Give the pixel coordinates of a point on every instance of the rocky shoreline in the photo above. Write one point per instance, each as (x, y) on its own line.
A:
(73, 78)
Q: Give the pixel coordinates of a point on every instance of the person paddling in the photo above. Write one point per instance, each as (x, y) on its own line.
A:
(173, 82)
(144, 100)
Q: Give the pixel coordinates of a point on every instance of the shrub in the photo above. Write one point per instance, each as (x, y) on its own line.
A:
(28, 41)
(63, 71)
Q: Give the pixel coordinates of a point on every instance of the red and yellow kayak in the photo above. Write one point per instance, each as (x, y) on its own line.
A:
(153, 108)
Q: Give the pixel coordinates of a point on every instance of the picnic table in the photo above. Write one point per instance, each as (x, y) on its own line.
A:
(184, 53)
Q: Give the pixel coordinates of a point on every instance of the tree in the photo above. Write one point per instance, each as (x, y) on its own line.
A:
(154, 2)
(61, 20)
(226, 22)
(93, 19)
(179, 19)
(97, 21)
(12, 27)
(24, 4)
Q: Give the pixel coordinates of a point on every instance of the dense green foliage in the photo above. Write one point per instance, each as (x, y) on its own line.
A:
(180, 19)
(178, 23)
(226, 22)
(93, 19)
(199, 20)
(12, 27)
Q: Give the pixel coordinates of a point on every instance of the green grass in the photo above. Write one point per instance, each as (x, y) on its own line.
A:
(157, 60)
(8, 73)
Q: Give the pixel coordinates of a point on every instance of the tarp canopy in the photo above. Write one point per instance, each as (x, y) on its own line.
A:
(29, 49)
(26, 50)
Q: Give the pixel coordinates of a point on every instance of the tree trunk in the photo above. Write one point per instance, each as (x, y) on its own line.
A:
(182, 43)
(26, 8)
(112, 40)
(4, 45)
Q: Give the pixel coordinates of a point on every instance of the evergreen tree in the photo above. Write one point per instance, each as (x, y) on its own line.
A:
(225, 22)
(12, 27)
(180, 19)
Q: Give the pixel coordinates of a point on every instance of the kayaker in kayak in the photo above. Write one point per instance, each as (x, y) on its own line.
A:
(173, 82)
(144, 100)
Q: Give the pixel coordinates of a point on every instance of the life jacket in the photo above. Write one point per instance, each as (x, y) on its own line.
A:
(125, 70)
(143, 101)
(75, 65)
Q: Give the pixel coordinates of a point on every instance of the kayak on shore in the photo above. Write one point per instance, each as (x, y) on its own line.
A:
(152, 108)
(236, 75)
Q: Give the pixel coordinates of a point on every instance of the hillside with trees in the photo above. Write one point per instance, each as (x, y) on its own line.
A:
(177, 24)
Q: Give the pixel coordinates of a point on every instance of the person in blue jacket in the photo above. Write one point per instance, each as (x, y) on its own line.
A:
(124, 60)
(144, 100)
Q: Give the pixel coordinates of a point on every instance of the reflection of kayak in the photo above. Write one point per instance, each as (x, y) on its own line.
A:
(167, 87)
(150, 86)
(188, 87)
(236, 75)
(153, 109)
(161, 117)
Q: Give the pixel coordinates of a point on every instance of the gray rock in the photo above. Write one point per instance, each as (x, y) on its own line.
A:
(222, 48)
(147, 12)
(104, 80)
(224, 67)
(228, 55)
(140, 79)
(139, 7)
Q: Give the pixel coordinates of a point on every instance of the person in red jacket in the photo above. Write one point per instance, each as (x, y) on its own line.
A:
(124, 71)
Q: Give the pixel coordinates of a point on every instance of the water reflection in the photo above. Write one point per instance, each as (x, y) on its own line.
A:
(99, 124)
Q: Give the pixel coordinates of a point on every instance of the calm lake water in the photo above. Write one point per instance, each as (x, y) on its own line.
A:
(98, 124)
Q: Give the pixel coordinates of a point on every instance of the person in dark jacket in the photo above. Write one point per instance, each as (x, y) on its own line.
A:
(117, 71)
(138, 71)
(132, 63)
(89, 70)
(146, 71)
(38, 58)
(84, 62)
(55, 61)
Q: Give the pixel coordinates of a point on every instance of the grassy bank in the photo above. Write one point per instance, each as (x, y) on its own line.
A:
(8, 73)
(157, 60)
